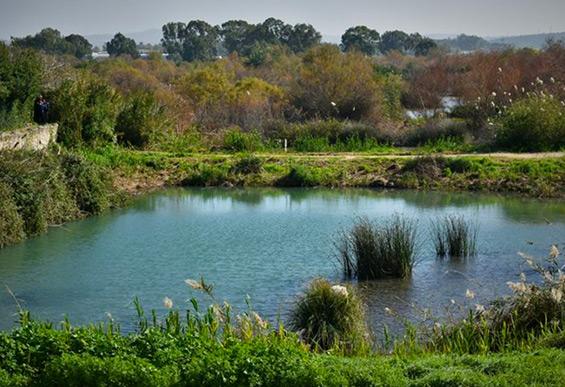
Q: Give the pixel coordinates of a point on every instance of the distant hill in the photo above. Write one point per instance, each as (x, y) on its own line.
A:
(468, 43)
(532, 41)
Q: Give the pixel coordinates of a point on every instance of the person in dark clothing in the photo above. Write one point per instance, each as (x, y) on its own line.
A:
(40, 110)
(37, 109)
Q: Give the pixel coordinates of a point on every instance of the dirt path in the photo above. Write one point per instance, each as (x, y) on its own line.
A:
(353, 156)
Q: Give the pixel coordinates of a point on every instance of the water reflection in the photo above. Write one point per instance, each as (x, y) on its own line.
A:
(265, 243)
(515, 208)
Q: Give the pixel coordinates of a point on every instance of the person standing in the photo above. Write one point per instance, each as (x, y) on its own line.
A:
(40, 110)
(44, 108)
(37, 109)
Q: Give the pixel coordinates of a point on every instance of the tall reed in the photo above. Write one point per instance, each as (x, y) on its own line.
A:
(369, 251)
(455, 237)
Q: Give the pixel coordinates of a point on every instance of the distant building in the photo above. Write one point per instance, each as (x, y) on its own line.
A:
(142, 54)
(100, 55)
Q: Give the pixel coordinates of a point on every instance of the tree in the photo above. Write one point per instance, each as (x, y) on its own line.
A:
(122, 45)
(331, 84)
(51, 41)
(235, 34)
(423, 46)
(173, 37)
(48, 40)
(419, 45)
(302, 37)
(361, 38)
(20, 77)
(468, 43)
(86, 110)
(273, 31)
(79, 46)
(258, 54)
(200, 41)
(394, 40)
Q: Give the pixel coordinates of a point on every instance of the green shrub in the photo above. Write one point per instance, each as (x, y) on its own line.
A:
(248, 164)
(369, 252)
(43, 189)
(188, 141)
(392, 89)
(21, 73)
(311, 144)
(236, 140)
(86, 370)
(555, 340)
(38, 189)
(446, 144)
(302, 176)
(331, 317)
(88, 183)
(459, 165)
(10, 380)
(15, 117)
(86, 110)
(536, 123)
(142, 121)
(11, 223)
(433, 132)
(344, 143)
(206, 175)
(328, 135)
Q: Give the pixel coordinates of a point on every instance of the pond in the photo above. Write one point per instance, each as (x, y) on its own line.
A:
(265, 243)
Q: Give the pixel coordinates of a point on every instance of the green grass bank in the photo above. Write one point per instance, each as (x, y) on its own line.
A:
(39, 190)
(533, 177)
(36, 354)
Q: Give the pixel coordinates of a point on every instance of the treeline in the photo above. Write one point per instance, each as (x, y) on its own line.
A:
(469, 43)
(51, 41)
(199, 41)
(321, 99)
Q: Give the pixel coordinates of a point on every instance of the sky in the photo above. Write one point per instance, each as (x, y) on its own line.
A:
(331, 17)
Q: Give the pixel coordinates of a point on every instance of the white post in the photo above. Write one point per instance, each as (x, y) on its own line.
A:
(285, 145)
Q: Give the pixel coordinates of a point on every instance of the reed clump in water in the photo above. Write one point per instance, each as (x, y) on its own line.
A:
(369, 251)
(455, 237)
(331, 317)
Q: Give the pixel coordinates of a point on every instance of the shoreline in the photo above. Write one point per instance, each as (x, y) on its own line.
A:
(134, 173)
(527, 175)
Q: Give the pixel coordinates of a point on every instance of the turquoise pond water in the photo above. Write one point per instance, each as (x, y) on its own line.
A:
(265, 243)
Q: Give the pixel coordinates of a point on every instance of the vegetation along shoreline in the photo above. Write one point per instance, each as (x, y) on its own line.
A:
(49, 188)
(83, 130)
